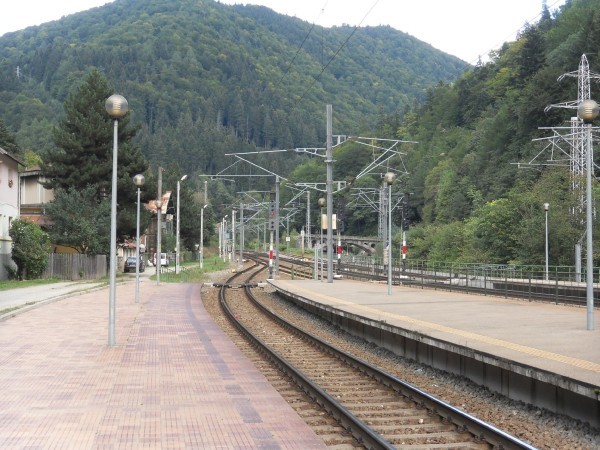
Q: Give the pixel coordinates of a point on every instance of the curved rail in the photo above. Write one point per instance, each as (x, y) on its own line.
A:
(357, 428)
(481, 431)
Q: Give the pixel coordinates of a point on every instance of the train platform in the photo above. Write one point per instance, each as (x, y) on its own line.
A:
(173, 379)
(536, 352)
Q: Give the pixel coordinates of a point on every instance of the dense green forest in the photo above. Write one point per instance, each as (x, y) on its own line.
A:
(206, 79)
(469, 199)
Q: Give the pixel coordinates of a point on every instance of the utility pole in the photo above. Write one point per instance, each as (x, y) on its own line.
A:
(329, 162)
(241, 261)
(308, 239)
(232, 235)
(277, 224)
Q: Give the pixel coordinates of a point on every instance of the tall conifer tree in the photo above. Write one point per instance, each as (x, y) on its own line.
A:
(7, 141)
(84, 145)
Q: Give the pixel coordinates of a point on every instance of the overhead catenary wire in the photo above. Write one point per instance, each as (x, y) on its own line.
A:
(340, 48)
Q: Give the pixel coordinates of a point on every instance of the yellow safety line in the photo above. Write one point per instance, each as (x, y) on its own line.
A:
(477, 337)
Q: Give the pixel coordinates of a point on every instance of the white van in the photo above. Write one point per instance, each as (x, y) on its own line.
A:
(164, 260)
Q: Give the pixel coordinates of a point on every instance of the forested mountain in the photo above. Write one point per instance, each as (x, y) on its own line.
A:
(203, 78)
(469, 200)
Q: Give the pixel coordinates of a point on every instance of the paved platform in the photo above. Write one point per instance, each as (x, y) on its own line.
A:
(535, 352)
(173, 380)
(551, 337)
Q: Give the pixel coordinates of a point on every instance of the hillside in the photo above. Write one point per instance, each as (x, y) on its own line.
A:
(203, 78)
(470, 201)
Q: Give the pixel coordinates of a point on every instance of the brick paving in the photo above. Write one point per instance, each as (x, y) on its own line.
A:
(173, 380)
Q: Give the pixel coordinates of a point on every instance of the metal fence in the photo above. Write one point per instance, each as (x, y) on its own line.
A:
(74, 266)
(560, 283)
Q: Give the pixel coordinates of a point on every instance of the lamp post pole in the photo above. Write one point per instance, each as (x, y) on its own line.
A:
(588, 111)
(389, 179)
(159, 204)
(220, 226)
(116, 107)
(546, 206)
(138, 180)
(202, 237)
(177, 232)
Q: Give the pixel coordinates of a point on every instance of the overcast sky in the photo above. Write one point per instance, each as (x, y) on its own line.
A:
(464, 28)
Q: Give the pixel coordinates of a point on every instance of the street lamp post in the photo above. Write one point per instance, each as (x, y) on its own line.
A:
(138, 180)
(183, 178)
(588, 111)
(546, 206)
(202, 237)
(389, 179)
(116, 106)
(159, 205)
(157, 258)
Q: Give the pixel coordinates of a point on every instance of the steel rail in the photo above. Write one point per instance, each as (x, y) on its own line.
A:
(482, 431)
(361, 432)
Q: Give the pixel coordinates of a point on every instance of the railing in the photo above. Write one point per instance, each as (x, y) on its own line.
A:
(561, 283)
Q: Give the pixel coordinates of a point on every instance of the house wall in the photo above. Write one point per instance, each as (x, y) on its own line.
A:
(33, 193)
(9, 208)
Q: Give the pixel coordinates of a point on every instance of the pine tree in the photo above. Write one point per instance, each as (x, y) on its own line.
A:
(84, 146)
(7, 141)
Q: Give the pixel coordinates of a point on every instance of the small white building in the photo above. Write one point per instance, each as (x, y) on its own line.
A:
(9, 205)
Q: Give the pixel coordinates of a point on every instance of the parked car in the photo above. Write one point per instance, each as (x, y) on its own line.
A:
(164, 260)
(130, 263)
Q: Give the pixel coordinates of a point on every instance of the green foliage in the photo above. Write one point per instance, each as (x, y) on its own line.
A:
(80, 220)
(83, 156)
(204, 78)
(467, 189)
(439, 242)
(7, 140)
(32, 159)
(30, 249)
(493, 231)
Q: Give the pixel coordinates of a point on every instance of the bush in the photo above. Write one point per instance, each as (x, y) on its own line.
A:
(30, 249)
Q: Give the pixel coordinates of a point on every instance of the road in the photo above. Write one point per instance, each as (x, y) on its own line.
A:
(35, 294)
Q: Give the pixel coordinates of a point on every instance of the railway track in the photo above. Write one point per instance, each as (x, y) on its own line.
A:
(376, 408)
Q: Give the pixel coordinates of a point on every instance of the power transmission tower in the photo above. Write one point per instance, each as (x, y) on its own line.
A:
(568, 146)
(575, 137)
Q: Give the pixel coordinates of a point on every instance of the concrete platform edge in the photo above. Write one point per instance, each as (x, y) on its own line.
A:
(515, 380)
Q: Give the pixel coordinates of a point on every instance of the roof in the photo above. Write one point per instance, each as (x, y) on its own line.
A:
(11, 156)
(31, 171)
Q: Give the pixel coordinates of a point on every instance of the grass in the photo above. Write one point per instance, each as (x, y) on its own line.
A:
(14, 284)
(190, 272)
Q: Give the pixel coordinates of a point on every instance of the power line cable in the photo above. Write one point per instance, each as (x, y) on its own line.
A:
(341, 47)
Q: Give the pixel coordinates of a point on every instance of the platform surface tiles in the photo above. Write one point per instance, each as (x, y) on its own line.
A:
(173, 380)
